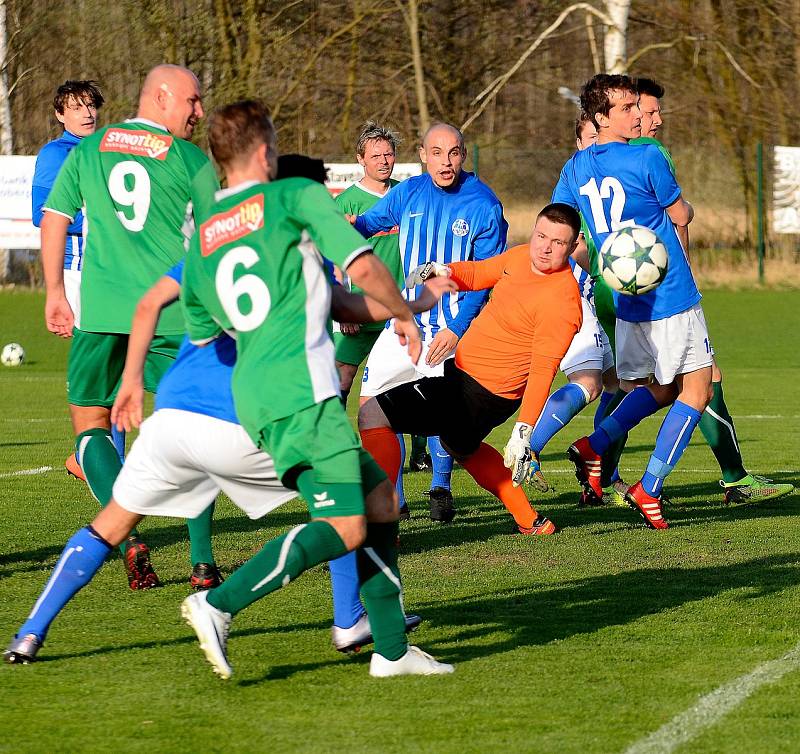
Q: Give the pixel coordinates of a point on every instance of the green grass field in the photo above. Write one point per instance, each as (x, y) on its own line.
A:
(588, 641)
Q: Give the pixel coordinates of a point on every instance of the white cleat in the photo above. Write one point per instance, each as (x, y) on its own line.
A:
(211, 626)
(360, 633)
(413, 662)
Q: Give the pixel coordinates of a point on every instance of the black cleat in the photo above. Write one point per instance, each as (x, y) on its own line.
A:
(141, 574)
(205, 576)
(441, 505)
(405, 513)
(420, 462)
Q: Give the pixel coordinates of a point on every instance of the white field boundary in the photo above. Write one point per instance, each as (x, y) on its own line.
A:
(711, 708)
(26, 472)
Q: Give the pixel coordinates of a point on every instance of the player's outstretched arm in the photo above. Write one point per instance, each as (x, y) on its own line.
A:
(373, 277)
(354, 308)
(126, 412)
(58, 314)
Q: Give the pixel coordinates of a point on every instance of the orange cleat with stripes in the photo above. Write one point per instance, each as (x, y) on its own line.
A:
(647, 506)
(73, 468)
(541, 526)
(587, 466)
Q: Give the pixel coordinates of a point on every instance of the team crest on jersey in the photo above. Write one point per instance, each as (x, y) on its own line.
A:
(227, 227)
(139, 143)
(460, 227)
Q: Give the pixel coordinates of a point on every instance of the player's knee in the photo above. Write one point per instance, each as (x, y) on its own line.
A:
(371, 416)
(382, 504)
(347, 373)
(352, 530)
(610, 380)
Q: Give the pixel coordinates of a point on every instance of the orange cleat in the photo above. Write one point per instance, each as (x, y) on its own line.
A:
(73, 468)
(541, 526)
(647, 506)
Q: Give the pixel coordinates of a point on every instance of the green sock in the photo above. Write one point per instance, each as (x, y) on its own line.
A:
(419, 445)
(200, 536)
(382, 590)
(614, 453)
(280, 561)
(101, 465)
(717, 427)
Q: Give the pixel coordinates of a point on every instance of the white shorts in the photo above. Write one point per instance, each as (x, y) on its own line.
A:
(389, 365)
(181, 461)
(72, 287)
(590, 348)
(663, 348)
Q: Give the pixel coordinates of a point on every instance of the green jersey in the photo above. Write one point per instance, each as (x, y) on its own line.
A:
(661, 148)
(254, 269)
(356, 200)
(135, 181)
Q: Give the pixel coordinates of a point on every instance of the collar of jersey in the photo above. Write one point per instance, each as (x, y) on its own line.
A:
(231, 190)
(369, 191)
(69, 137)
(146, 122)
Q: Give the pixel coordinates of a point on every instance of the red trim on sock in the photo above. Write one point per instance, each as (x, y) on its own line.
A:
(381, 443)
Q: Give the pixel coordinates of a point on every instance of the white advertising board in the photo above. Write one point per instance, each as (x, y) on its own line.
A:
(341, 175)
(16, 229)
(786, 190)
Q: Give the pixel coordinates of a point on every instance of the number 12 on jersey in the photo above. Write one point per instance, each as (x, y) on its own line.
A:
(610, 188)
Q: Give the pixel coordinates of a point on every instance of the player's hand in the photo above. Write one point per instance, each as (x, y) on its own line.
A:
(517, 454)
(351, 219)
(408, 333)
(58, 316)
(349, 328)
(126, 412)
(434, 289)
(442, 345)
(420, 274)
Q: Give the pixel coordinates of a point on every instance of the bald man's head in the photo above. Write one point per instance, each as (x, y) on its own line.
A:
(443, 153)
(171, 96)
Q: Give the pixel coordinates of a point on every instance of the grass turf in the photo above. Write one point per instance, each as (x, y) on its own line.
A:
(586, 641)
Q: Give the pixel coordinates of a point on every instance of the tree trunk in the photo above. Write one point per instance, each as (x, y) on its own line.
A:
(615, 46)
(6, 133)
(412, 20)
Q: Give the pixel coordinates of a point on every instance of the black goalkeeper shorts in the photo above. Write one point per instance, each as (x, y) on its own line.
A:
(455, 407)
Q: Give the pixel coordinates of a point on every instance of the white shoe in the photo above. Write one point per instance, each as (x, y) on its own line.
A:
(413, 662)
(211, 626)
(360, 633)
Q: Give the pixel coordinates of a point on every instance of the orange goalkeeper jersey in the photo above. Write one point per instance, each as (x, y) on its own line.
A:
(515, 345)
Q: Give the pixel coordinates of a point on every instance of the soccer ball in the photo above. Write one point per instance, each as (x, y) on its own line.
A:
(13, 355)
(633, 260)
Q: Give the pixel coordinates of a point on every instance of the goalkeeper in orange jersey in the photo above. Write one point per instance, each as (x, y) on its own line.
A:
(505, 361)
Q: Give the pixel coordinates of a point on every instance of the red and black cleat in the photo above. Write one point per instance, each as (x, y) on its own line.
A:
(205, 576)
(138, 566)
(647, 506)
(587, 466)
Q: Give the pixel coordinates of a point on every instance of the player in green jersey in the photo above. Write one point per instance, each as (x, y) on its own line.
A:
(134, 180)
(375, 152)
(253, 269)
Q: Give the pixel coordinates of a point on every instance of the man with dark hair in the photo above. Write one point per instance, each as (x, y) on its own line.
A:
(75, 107)
(505, 361)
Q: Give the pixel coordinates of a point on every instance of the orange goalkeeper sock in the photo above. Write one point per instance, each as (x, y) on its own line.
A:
(485, 466)
(381, 443)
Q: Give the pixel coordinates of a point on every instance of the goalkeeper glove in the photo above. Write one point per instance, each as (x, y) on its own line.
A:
(517, 454)
(420, 274)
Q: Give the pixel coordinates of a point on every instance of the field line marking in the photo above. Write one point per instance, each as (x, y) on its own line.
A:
(27, 472)
(712, 707)
(674, 471)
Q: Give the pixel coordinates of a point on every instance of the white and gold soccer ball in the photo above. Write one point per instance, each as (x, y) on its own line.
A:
(13, 355)
(634, 260)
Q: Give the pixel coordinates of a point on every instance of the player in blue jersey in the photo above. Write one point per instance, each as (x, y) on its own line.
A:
(75, 107)
(445, 215)
(661, 334)
(189, 450)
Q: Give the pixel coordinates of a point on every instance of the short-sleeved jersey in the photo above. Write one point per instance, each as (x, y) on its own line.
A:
(661, 148)
(200, 378)
(134, 181)
(584, 281)
(615, 185)
(254, 270)
(516, 343)
(459, 224)
(356, 200)
(48, 162)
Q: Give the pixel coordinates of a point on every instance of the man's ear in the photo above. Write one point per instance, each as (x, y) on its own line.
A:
(360, 160)
(601, 120)
(422, 155)
(59, 117)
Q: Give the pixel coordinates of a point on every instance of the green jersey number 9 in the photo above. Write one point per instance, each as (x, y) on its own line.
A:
(250, 287)
(137, 197)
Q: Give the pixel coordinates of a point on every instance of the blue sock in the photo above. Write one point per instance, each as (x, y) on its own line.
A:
(81, 559)
(634, 407)
(561, 406)
(347, 607)
(673, 438)
(398, 485)
(605, 399)
(118, 436)
(442, 463)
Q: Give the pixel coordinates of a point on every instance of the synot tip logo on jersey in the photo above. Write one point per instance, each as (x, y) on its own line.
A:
(227, 227)
(138, 143)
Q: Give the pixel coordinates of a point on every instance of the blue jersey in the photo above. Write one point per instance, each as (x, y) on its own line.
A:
(584, 281)
(616, 185)
(460, 224)
(200, 379)
(48, 162)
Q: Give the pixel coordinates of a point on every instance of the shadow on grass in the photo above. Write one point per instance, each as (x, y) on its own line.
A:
(536, 616)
